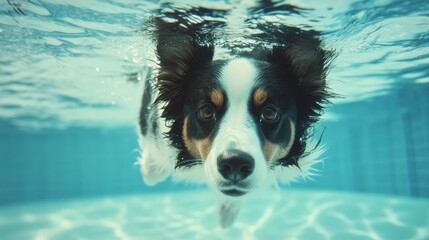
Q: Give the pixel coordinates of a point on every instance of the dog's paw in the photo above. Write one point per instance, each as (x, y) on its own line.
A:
(228, 212)
(152, 172)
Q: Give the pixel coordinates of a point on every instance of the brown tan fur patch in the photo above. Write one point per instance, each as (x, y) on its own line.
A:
(273, 152)
(217, 98)
(197, 148)
(204, 146)
(189, 144)
(259, 96)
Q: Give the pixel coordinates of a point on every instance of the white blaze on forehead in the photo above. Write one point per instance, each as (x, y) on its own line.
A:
(238, 78)
(237, 130)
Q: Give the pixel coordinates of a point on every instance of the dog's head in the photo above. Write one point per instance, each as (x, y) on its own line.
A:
(239, 118)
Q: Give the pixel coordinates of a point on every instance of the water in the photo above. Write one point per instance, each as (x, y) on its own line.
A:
(292, 215)
(68, 116)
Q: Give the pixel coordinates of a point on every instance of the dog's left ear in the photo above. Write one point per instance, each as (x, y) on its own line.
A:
(179, 55)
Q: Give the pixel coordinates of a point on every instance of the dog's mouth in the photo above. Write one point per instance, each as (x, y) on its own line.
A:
(234, 190)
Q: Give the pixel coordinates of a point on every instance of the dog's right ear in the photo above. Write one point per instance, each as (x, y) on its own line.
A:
(179, 55)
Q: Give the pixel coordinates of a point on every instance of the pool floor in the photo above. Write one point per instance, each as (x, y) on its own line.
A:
(193, 215)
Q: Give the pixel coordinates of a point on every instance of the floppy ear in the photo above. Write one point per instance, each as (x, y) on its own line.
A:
(179, 55)
(304, 64)
(307, 64)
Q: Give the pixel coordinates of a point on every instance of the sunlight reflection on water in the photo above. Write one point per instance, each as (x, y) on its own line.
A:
(193, 215)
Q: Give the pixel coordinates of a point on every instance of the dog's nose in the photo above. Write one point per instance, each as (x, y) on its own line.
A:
(235, 165)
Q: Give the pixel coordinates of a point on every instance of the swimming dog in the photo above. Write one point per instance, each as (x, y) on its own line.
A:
(238, 123)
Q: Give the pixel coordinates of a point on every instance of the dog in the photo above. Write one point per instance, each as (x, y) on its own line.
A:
(239, 123)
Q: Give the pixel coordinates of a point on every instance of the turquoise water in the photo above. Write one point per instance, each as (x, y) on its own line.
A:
(276, 215)
(68, 115)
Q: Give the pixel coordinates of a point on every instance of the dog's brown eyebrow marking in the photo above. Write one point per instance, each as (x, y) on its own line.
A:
(260, 96)
(217, 98)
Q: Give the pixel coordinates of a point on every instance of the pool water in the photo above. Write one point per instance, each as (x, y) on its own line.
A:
(274, 215)
(71, 77)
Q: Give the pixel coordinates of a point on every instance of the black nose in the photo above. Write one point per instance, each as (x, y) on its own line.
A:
(235, 165)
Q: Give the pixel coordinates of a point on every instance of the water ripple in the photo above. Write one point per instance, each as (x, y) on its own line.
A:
(86, 50)
(192, 215)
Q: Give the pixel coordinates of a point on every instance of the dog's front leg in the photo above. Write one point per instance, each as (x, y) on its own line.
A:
(228, 211)
(156, 162)
(154, 171)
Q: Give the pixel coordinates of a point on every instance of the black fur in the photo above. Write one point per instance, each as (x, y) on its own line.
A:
(307, 64)
(179, 55)
(145, 110)
(182, 52)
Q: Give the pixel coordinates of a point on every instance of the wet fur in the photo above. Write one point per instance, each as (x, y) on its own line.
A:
(163, 139)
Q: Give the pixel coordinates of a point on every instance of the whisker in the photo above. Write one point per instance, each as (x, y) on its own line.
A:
(188, 162)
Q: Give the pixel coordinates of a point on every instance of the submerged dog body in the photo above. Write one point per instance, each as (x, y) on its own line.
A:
(239, 123)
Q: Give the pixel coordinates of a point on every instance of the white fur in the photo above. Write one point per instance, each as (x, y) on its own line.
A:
(237, 130)
(155, 167)
(228, 211)
(293, 173)
(157, 157)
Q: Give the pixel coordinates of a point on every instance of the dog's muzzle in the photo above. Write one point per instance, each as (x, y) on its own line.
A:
(234, 166)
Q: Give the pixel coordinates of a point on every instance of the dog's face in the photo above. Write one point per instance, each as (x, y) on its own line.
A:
(238, 118)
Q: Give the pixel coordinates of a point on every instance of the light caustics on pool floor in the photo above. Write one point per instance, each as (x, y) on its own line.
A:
(193, 215)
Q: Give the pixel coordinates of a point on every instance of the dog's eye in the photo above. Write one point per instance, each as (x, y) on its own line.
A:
(206, 113)
(270, 114)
